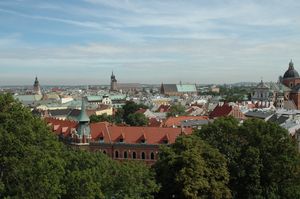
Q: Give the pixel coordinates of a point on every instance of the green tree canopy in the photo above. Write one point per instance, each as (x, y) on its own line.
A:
(137, 119)
(131, 107)
(176, 110)
(191, 168)
(34, 164)
(263, 160)
(101, 118)
(30, 161)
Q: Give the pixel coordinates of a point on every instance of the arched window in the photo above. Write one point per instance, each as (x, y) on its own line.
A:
(125, 155)
(152, 156)
(116, 154)
(133, 155)
(143, 155)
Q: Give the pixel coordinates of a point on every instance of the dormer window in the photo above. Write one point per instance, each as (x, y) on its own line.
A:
(143, 141)
(101, 139)
(165, 141)
(121, 140)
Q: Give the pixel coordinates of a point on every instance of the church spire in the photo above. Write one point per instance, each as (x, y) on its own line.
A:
(291, 65)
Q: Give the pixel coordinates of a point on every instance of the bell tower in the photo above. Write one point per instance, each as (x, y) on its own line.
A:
(113, 82)
(36, 87)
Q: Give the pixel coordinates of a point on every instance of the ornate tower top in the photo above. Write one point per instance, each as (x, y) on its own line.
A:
(36, 86)
(291, 65)
(83, 117)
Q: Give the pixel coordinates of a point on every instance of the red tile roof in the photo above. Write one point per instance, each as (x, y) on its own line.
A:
(221, 111)
(141, 110)
(134, 135)
(176, 121)
(163, 108)
(153, 122)
(61, 126)
(112, 134)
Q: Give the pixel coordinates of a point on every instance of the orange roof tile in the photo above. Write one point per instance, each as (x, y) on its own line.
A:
(176, 121)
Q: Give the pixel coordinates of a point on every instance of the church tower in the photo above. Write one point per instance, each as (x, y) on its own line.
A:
(113, 82)
(36, 87)
(83, 128)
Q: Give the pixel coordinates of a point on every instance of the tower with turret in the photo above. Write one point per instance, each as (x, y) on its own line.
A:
(83, 131)
(113, 82)
(36, 87)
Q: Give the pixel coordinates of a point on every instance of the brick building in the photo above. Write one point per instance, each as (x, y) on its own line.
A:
(118, 142)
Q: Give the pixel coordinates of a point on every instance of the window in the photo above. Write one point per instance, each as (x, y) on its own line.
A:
(152, 156)
(143, 155)
(101, 139)
(143, 141)
(116, 154)
(104, 151)
(121, 140)
(125, 155)
(134, 155)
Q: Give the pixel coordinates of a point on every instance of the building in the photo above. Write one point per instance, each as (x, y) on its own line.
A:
(113, 82)
(224, 110)
(178, 89)
(36, 87)
(261, 92)
(118, 142)
(291, 79)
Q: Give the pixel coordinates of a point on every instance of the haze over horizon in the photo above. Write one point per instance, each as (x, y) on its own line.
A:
(82, 41)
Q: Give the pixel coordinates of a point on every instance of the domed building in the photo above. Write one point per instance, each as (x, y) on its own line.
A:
(291, 76)
(291, 79)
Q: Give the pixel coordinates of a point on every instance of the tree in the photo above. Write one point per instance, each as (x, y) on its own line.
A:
(34, 164)
(94, 175)
(101, 118)
(134, 180)
(30, 161)
(176, 110)
(191, 168)
(262, 158)
(137, 119)
(130, 107)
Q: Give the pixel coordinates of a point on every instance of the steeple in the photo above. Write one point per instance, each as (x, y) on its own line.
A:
(291, 65)
(83, 128)
(36, 86)
(83, 117)
(113, 82)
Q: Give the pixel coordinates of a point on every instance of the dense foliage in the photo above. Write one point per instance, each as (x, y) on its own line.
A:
(176, 110)
(263, 160)
(224, 159)
(192, 169)
(125, 114)
(33, 164)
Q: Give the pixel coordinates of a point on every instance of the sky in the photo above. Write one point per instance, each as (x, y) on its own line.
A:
(75, 42)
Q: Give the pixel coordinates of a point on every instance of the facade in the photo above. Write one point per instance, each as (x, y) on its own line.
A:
(291, 79)
(118, 142)
(261, 92)
(113, 82)
(36, 87)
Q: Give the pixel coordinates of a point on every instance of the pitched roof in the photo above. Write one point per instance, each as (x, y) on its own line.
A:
(176, 121)
(112, 134)
(133, 135)
(61, 126)
(221, 111)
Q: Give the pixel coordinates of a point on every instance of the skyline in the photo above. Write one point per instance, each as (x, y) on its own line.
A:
(81, 42)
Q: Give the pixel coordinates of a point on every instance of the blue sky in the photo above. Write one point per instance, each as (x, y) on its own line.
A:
(147, 41)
